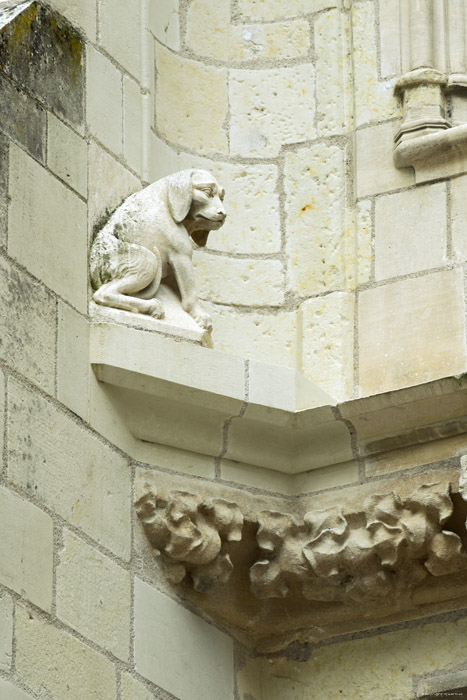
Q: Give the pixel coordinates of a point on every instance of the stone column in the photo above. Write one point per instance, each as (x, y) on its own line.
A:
(456, 12)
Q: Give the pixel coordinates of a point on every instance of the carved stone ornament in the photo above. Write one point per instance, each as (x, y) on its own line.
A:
(150, 237)
(368, 560)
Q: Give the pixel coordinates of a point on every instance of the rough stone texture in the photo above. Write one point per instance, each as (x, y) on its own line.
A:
(459, 216)
(376, 171)
(109, 184)
(72, 360)
(26, 549)
(11, 692)
(164, 23)
(238, 42)
(22, 118)
(379, 667)
(242, 282)
(410, 231)
(275, 9)
(135, 690)
(104, 110)
(69, 470)
(27, 338)
(52, 661)
(255, 335)
(314, 185)
(364, 241)
(81, 13)
(260, 125)
(183, 89)
(6, 632)
(120, 33)
(44, 55)
(374, 100)
(4, 165)
(67, 155)
(328, 342)
(333, 89)
(132, 110)
(48, 236)
(390, 39)
(94, 596)
(411, 331)
(188, 657)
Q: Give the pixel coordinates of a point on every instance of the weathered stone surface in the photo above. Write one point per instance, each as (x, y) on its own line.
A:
(67, 155)
(376, 171)
(184, 88)
(314, 184)
(104, 98)
(135, 690)
(459, 216)
(13, 693)
(92, 492)
(94, 596)
(333, 84)
(120, 33)
(81, 13)
(328, 342)
(72, 360)
(27, 338)
(238, 281)
(260, 125)
(4, 166)
(239, 42)
(164, 23)
(48, 236)
(411, 331)
(410, 231)
(364, 240)
(390, 38)
(51, 660)
(45, 56)
(132, 111)
(276, 9)
(26, 549)
(184, 641)
(6, 633)
(22, 118)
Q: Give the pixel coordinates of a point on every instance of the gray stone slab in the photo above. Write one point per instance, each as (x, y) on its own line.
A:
(22, 119)
(4, 150)
(45, 56)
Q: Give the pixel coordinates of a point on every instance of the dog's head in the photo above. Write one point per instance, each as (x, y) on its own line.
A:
(195, 199)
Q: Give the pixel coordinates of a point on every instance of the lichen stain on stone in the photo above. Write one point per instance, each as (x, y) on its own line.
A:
(62, 37)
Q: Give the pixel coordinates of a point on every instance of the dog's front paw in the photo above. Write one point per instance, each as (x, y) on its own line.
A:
(203, 319)
(153, 308)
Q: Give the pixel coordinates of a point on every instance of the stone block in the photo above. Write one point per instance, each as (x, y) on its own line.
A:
(51, 661)
(411, 331)
(132, 120)
(104, 101)
(94, 596)
(45, 56)
(133, 689)
(179, 651)
(11, 692)
(48, 236)
(257, 477)
(260, 125)
(81, 13)
(315, 191)
(73, 360)
(26, 549)
(252, 203)
(120, 33)
(22, 118)
(327, 325)
(331, 477)
(163, 159)
(376, 171)
(459, 216)
(255, 335)
(27, 331)
(263, 10)
(364, 240)
(164, 23)
(390, 38)
(374, 100)
(175, 459)
(109, 184)
(333, 86)
(237, 42)
(238, 281)
(191, 103)
(4, 167)
(69, 469)
(410, 231)
(6, 632)
(67, 155)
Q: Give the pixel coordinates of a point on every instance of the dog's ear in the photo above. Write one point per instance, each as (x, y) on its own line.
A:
(180, 194)
(200, 238)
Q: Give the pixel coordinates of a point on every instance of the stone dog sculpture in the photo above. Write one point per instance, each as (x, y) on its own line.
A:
(148, 236)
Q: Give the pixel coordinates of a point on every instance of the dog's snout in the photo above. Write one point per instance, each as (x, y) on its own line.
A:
(221, 212)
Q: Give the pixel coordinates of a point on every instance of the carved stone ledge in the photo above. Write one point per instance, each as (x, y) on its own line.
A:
(275, 578)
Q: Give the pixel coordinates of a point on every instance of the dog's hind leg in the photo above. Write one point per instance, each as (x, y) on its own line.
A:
(134, 270)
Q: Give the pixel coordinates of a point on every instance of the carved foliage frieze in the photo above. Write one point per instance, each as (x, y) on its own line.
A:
(384, 548)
